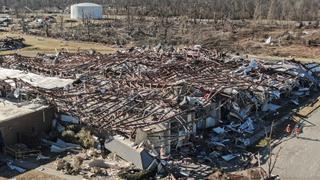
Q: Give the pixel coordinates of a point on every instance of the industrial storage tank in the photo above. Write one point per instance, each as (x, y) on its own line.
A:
(86, 11)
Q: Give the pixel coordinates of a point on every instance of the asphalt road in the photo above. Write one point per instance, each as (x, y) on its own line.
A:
(299, 158)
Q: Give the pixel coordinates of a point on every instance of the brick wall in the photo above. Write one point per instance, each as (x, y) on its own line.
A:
(26, 126)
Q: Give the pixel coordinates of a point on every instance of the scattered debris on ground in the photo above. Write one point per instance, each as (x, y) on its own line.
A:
(11, 43)
(236, 36)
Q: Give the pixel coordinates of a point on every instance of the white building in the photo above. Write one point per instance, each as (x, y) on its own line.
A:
(86, 11)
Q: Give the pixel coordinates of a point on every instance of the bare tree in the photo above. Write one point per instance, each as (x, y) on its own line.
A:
(258, 10)
(194, 9)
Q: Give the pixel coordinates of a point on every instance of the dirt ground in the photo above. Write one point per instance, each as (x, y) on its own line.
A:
(29, 175)
(49, 45)
(296, 153)
(35, 174)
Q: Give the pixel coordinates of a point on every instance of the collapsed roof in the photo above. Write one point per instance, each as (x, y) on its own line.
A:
(140, 88)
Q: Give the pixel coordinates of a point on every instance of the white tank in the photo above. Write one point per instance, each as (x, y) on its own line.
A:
(86, 11)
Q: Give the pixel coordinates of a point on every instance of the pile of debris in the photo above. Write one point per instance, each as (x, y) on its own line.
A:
(156, 104)
(11, 43)
(89, 167)
(89, 164)
(5, 21)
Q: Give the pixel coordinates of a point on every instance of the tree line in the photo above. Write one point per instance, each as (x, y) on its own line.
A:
(299, 10)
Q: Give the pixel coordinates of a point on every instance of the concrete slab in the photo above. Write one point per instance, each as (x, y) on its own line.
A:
(125, 149)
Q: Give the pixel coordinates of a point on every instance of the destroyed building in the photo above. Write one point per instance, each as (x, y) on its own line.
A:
(161, 100)
(24, 117)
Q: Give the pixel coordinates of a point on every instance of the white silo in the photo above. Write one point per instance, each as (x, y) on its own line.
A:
(86, 11)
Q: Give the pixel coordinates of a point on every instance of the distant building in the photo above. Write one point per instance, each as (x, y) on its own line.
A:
(86, 11)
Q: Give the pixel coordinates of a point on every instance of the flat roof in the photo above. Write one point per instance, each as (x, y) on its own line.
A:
(87, 5)
(9, 110)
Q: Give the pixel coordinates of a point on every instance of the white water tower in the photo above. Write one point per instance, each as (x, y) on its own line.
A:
(86, 11)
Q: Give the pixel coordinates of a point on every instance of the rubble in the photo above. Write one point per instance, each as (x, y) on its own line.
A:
(153, 107)
(85, 138)
(135, 174)
(66, 167)
(90, 166)
(60, 146)
(82, 137)
(16, 168)
(314, 42)
(11, 43)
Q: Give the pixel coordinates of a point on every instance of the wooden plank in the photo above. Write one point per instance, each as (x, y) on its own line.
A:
(307, 110)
